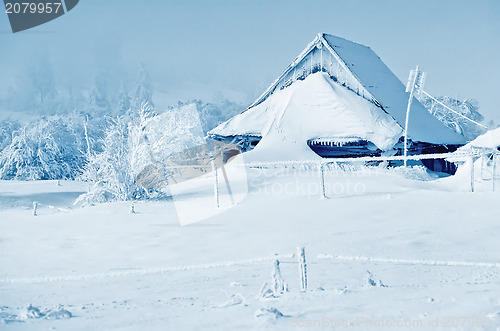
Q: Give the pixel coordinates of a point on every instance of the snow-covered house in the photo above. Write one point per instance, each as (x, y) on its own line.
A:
(337, 99)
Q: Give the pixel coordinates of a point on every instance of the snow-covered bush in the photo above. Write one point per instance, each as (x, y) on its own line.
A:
(46, 148)
(7, 129)
(112, 169)
(134, 142)
(469, 108)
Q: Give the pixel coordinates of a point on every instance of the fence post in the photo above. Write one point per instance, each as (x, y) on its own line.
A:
(472, 173)
(216, 188)
(279, 285)
(216, 184)
(35, 206)
(494, 171)
(228, 186)
(322, 174)
(301, 254)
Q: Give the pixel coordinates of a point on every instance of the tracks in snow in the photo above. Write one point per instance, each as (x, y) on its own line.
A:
(164, 270)
(406, 261)
(146, 271)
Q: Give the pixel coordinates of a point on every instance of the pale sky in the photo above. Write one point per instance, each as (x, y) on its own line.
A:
(239, 47)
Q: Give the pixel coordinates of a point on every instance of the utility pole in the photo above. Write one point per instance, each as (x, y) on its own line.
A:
(416, 80)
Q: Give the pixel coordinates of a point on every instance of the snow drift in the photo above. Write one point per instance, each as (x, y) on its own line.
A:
(490, 139)
(316, 107)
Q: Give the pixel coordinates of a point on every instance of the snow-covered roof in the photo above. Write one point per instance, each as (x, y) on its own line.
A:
(357, 68)
(390, 93)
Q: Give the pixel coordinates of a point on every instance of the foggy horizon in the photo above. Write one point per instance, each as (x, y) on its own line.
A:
(235, 50)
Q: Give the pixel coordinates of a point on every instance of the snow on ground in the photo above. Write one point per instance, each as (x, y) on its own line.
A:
(388, 247)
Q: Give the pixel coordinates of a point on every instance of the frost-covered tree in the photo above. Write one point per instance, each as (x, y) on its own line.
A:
(213, 114)
(124, 101)
(110, 171)
(98, 95)
(468, 108)
(133, 142)
(144, 90)
(46, 148)
(35, 88)
(7, 129)
(124, 153)
(43, 81)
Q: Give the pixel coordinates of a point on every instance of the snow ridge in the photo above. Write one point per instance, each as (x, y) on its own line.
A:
(409, 261)
(148, 271)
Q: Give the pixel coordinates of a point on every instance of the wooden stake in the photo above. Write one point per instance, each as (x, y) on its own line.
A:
(279, 285)
(216, 188)
(322, 173)
(228, 186)
(494, 171)
(472, 173)
(301, 254)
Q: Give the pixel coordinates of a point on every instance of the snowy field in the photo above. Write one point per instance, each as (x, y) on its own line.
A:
(387, 249)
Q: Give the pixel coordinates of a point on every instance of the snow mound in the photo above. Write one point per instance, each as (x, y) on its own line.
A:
(6, 318)
(232, 300)
(269, 314)
(32, 312)
(316, 107)
(372, 281)
(57, 314)
(490, 139)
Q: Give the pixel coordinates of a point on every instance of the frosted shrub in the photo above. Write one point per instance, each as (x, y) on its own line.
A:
(48, 148)
(111, 171)
(7, 129)
(132, 143)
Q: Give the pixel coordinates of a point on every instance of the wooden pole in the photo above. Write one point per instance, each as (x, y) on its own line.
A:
(471, 173)
(226, 180)
(408, 108)
(216, 184)
(494, 171)
(322, 173)
(216, 189)
(301, 254)
(279, 285)
(228, 186)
